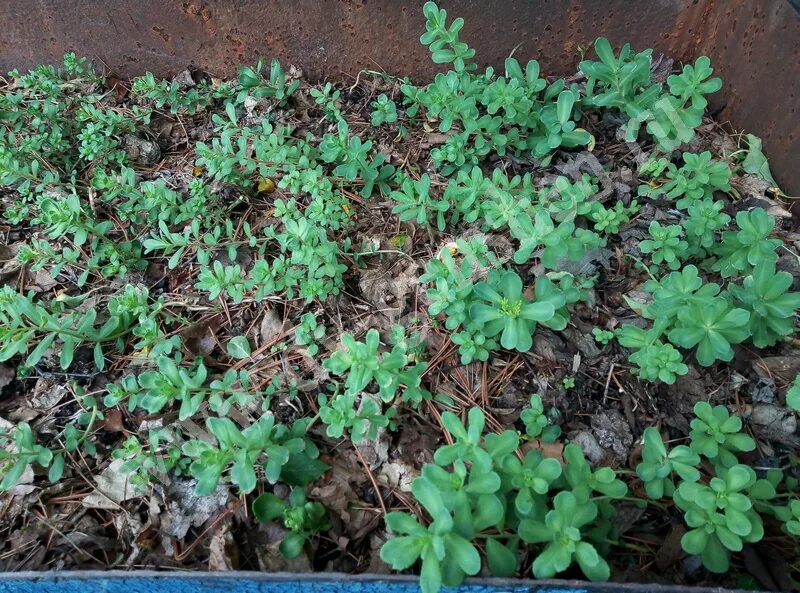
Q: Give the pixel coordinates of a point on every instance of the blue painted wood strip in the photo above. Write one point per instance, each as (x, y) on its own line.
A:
(249, 582)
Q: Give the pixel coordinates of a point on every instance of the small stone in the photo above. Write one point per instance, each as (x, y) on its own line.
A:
(774, 423)
(184, 79)
(692, 566)
(589, 445)
(788, 262)
(142, 152)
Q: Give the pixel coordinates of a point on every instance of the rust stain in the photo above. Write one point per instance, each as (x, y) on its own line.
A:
(167, 37)
(196, 9)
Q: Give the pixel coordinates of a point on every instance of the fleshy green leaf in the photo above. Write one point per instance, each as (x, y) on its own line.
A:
(238, 347)
(268, 507)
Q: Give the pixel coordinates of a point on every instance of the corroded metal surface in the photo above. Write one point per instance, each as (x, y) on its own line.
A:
(754, 44)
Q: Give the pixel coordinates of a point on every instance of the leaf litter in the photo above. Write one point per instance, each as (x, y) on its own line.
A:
(97, 518)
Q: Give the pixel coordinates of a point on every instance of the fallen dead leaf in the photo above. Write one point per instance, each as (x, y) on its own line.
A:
(376, 565)
(671, 551)
(552, 450)
(185, 509)
(113, 421)
(113, 487)
(388, 290)
(785, 367)
(271, 326)
(46, 394)
(7, 375)
(24, 485)
(199, 339)
(223, 553)
(43, 281)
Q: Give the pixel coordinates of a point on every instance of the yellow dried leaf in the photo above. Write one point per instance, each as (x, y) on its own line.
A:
(265, 185)
(451, 247)
(592, 141)
(398, 240)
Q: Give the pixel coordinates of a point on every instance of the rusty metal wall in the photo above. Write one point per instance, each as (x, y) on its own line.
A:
(754, 44)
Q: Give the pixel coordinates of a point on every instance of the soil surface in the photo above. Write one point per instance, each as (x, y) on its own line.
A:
(92, 518)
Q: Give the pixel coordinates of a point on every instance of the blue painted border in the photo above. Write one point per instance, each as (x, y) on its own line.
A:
(254, 582)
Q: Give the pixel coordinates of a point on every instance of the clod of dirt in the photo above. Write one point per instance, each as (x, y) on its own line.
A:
(397, 475)
(693, 386)
(763, 391)
(584, 341)
(575, 165)
(376, 565)
(612, 432)
(40, 281)
(417, 443)
(143, 152)
(199, 339)
(244, 257)
(551, 347)
(9, 270)
(347, 479)
(7, 253)
(271, 560)
(626, 514)
(591, 262)
(661, 68)
(671, 551)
